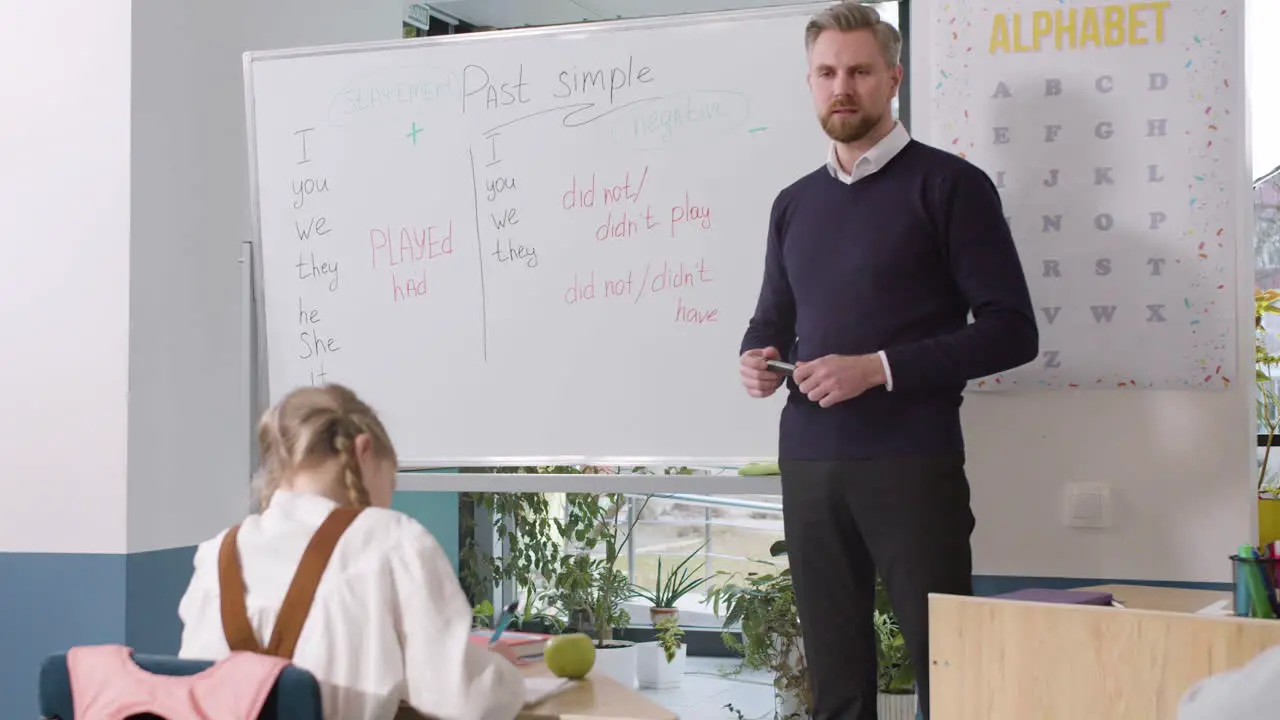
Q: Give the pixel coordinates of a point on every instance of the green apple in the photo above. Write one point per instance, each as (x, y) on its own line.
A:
(570, 656)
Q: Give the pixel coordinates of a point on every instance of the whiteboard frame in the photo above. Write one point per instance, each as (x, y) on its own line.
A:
(259, 352)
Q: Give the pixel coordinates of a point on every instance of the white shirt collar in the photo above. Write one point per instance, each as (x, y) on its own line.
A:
(304, 506)
(874, 159)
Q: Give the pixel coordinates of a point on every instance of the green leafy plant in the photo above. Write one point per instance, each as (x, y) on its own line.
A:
(562, 563)
(763, 604)
(589, 589)
(525, 534)
(589, 595)
(530, 538)
(680, 581)
(1265, 302)
(669, 637)
(895, 675)
(482, 615)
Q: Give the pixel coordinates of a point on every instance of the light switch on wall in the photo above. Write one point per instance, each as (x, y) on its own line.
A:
(1087, 505)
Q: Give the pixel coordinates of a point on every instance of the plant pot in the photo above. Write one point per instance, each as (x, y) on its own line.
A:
(538, 626)
(788, 705)
(657, 614)
(617, 659)
(896, 706)
(1268, 520)
(652, 669)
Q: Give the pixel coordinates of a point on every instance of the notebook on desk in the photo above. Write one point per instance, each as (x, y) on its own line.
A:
(1069, 597)
(526, 646)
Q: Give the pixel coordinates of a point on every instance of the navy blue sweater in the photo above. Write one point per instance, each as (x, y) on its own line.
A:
(894, 262)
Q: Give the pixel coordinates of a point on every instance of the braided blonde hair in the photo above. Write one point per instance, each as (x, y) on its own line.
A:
(311, 426)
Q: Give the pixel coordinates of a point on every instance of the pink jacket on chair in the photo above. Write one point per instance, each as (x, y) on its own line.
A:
(106, 684)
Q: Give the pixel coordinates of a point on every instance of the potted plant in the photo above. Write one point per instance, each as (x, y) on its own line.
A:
(1266, 302)
(530, 532)
(763, 604)
(661, 662)
(483, 616)
(589, 590)
(528, 543)
(895, 678)
(669, 588)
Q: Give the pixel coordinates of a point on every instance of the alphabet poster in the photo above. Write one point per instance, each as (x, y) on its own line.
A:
(1114, 133)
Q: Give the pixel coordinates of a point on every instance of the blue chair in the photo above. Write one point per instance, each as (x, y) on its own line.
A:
(296, 695)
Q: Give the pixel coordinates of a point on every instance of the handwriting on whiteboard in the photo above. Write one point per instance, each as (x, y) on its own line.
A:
(577, 234)
(488, 90)
(316, 341)
(401, 252)
(655, 278)
(632, 219)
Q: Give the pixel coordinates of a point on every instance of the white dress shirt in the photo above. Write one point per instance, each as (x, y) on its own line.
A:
(874, 159)
(389, 620)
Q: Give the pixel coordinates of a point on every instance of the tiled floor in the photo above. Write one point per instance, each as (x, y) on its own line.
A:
(706, 691)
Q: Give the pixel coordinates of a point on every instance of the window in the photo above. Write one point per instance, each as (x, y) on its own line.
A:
(1263, 60)
(723, 534)
(714, 535)
(1266, 232)
(1264, 105)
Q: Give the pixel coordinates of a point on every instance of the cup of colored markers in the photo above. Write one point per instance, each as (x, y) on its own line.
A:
(1255, 587)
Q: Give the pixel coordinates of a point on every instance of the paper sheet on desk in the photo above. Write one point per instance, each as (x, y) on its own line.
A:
(1217, 608)
(537, 689)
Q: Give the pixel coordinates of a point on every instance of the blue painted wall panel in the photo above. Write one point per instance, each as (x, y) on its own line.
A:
(48, 603)
(438, 513)
(154, 583)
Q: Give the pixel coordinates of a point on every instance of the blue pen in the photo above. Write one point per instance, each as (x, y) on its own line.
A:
(508, 614)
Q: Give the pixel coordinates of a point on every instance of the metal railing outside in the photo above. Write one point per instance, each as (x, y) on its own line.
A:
(506, 592)
(708, 504)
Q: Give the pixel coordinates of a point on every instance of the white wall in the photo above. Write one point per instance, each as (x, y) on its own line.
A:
(1180, 465)
(189, 415)
(123, 202)
(303, 23)
(188, 412)
(64, 274)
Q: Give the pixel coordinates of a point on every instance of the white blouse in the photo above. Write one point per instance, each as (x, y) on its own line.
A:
(1247, 692)
(389, 620)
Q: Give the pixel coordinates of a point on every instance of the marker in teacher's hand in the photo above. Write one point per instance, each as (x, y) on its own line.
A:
(508, 614)
(782, 368)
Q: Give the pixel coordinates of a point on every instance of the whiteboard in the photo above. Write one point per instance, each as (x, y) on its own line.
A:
(536, 245)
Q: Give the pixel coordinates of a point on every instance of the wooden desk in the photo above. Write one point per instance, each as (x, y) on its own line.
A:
(1180, 600)
(593, 698)
(995, 659)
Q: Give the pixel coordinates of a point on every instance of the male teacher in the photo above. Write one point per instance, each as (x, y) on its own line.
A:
(873, 263)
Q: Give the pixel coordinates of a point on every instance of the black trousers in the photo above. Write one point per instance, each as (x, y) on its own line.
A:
(910, 519)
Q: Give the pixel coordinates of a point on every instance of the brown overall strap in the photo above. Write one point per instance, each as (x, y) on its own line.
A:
(297, 601)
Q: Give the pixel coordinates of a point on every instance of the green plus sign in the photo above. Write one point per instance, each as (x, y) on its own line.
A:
(413, 134)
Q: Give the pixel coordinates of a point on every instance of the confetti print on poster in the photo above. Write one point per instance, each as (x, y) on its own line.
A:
(953, 40)
(1210, 68)
(1112, 145)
